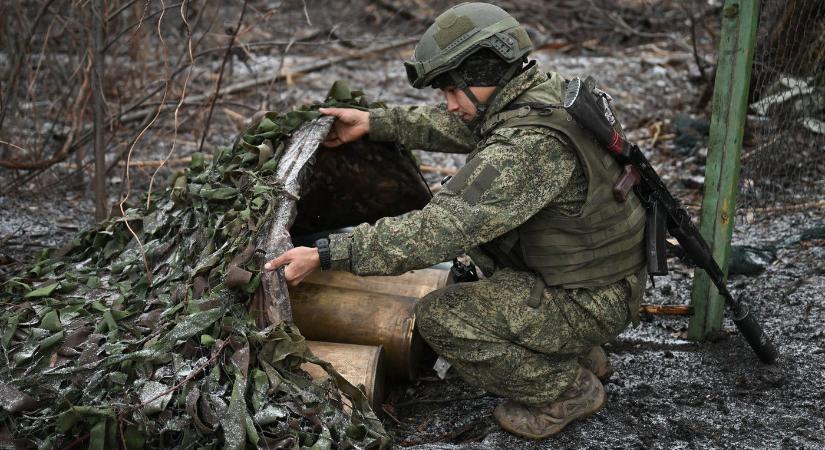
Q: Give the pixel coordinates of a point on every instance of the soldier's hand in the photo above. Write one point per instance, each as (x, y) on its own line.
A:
(299, 262)
(350, 125)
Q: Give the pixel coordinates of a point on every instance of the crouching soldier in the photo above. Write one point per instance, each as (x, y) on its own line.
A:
(534, 208)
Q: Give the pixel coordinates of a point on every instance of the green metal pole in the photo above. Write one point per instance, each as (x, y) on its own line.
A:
(730, 102)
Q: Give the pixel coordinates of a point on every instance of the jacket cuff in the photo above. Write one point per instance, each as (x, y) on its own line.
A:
(382, 128)
(340, 251)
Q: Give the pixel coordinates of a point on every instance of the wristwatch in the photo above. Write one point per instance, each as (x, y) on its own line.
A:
(323, 253)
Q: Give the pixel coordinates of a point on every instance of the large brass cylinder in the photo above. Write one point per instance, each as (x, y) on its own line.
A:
(361, 365)
(415, 283)
(341, 307)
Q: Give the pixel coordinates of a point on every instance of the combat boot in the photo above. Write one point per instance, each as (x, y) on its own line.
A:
(596, 361)
(582, 398)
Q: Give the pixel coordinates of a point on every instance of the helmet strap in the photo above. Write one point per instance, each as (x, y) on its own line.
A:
(481, 108)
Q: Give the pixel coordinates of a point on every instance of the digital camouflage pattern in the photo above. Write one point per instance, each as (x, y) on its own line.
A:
(118, 342)
(486, 329)
(496, 341)
(525, 170)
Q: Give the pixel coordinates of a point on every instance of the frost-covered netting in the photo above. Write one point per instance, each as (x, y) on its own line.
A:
(783, 162)
(138, 334)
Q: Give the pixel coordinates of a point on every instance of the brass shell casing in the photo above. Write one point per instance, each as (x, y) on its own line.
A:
(361, 365)
(341, 307)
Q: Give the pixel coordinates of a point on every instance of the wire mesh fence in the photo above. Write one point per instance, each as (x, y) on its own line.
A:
(783, 160)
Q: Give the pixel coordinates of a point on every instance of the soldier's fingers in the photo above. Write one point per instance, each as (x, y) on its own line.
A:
(278, 262)
(337, 112)
(292, 276)
(343, 116)
(333, 142)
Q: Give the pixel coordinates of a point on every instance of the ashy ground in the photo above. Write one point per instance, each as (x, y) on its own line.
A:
(667, 392)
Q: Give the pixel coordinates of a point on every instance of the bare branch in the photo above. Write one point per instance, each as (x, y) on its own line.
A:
(220, 74)
(21, 59)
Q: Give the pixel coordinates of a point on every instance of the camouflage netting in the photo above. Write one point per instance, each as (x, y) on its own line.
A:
(117, 343)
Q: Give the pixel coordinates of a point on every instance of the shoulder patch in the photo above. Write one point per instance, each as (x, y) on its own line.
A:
(460, 179)
(471, 191)
(480, 184)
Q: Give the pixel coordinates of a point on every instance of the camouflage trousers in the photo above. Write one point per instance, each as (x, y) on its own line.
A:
(496, 341)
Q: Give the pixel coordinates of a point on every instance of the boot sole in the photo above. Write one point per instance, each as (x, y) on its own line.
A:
(538, 437)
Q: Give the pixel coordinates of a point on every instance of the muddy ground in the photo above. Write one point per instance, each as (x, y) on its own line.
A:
(672, 393)
(667, 392)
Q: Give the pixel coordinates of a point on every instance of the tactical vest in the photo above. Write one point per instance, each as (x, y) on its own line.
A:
(600, 245)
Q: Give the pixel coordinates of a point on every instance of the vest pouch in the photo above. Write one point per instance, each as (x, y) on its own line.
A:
(604, 242)
(501, 250)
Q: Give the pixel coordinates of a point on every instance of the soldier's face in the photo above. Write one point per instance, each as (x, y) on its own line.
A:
(458, 102)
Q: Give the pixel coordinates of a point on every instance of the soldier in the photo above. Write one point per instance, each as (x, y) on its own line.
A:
(533, 207)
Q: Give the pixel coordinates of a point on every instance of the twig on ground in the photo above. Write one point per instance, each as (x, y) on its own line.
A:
(390, 415)
(159, 163)
(13, 146)
(697, 59)
(437, 401)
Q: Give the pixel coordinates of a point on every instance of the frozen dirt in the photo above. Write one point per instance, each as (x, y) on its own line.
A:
(667, 392)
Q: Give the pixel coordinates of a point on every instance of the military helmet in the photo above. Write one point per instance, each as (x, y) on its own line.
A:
(459, 32)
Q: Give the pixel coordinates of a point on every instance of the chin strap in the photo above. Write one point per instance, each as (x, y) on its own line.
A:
(481, 108)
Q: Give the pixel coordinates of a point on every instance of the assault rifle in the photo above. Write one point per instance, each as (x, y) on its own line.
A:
(664, 211)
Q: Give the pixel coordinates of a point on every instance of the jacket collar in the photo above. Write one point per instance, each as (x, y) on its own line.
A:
(520, 84)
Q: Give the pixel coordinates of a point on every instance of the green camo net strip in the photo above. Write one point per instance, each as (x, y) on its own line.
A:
(99, 352)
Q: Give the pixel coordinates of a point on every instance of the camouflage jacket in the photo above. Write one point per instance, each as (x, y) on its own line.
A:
(510, 175)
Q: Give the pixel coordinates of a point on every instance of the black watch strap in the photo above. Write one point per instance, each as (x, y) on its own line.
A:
(323, 253)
